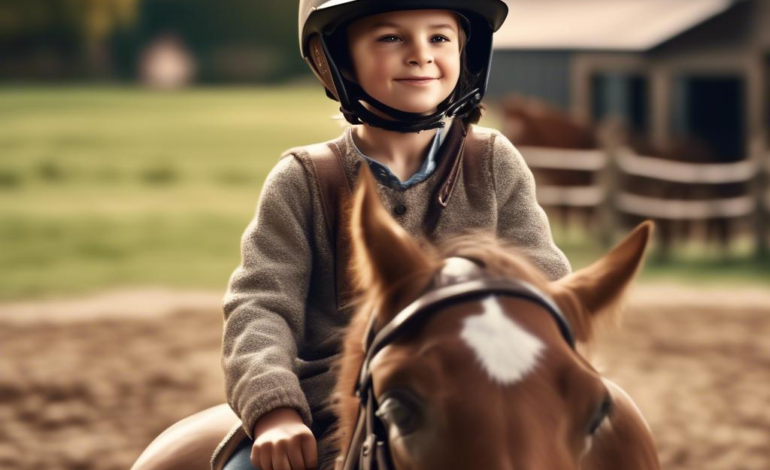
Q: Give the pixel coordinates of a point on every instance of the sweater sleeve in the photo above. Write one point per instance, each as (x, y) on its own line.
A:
(521, 220)
(264, 306)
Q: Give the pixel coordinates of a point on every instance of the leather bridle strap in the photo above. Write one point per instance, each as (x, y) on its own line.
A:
(454, 292)
(368, 448)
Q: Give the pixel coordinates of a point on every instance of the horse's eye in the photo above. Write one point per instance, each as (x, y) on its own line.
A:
(401, 409)
(602, 412)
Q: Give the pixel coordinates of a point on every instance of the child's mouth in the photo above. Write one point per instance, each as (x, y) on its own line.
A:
(416, 81)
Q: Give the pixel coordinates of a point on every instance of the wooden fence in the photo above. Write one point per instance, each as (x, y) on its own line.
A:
(611, 200)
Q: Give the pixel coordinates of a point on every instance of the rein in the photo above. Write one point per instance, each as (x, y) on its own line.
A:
(368, 448)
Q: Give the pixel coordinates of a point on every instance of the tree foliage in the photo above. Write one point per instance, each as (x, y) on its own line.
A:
(252, 30)
(231, 39)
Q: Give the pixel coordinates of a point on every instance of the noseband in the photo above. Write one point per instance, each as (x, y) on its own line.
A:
(460, 280)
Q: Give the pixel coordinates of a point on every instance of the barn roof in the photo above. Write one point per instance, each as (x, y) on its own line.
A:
(621, 25)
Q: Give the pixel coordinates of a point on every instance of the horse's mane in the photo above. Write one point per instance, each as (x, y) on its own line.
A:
(499, 258)
(506, 261)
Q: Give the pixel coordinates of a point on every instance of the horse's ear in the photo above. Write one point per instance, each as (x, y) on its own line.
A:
(598, 289)
(383, 252)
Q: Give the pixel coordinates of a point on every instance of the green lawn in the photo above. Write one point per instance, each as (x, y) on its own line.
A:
(123, 186)
(107, 186)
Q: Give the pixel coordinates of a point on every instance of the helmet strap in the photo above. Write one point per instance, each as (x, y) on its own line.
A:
(411, 122)
(350, 95)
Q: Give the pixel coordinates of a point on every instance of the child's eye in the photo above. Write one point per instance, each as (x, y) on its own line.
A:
(439, 39)
(388, 38)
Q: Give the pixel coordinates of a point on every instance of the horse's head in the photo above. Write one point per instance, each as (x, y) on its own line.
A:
(490, 381)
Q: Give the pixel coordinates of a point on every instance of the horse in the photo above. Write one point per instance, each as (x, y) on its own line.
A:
(531, 122)
(463, 355)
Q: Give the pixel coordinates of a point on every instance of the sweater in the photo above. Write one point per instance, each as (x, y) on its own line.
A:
(283, 331)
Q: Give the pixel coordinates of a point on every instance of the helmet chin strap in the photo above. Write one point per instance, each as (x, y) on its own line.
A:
(402, 121)
(351, 94)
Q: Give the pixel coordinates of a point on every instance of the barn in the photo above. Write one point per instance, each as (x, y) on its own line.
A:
(669, 68)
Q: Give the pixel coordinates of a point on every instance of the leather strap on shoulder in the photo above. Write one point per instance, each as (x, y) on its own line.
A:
(467, 147)
(336, 194)
(476, 146)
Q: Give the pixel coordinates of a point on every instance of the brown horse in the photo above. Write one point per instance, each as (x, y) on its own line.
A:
(531, 122)
(491, 382)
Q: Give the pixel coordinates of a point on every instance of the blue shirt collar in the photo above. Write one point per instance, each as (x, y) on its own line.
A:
(385, 176)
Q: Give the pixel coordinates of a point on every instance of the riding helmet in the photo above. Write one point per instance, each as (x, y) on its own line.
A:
(323, 44)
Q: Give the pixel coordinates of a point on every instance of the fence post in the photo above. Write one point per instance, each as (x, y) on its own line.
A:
(608, 212)
(761, 155)
(611, 134)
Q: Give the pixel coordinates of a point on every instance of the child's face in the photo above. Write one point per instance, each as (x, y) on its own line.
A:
(408, 60)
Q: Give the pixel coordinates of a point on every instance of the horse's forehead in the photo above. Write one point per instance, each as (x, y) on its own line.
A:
(505, 349)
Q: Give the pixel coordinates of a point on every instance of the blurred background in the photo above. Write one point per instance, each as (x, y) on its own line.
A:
(135, 136)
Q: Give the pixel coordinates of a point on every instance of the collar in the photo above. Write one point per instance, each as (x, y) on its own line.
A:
(384, 174)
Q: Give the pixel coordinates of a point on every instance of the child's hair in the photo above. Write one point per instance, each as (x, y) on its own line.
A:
(466, 82)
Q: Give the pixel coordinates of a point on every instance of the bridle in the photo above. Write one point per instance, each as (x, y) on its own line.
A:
(460, 280)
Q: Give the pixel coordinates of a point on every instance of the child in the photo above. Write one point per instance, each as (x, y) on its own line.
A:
(409, 76)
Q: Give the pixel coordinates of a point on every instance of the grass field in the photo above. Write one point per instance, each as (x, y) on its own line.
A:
(108, 187)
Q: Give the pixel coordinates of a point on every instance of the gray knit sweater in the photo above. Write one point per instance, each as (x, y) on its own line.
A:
(282, 330)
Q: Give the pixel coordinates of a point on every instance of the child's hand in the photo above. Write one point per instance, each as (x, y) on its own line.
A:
(283, 442)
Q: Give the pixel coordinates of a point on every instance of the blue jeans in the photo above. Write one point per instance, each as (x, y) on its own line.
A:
(241, 458)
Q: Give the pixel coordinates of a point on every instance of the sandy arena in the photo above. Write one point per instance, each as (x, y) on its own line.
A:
(87, 384)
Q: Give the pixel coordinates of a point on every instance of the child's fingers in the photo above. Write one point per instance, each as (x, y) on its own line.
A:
(281, 458)
(254, 457)
(309, 450)
(261, 457)
(295, 454)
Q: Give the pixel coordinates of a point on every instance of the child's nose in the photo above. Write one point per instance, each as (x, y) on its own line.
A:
(420, 54)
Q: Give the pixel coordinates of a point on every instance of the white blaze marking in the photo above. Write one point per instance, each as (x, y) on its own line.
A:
(506, 350)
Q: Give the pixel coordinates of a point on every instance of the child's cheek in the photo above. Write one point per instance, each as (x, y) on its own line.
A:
(382, 71)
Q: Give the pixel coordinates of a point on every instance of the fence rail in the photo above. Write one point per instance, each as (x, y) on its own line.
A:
(693, 173)
(609, 196)
(677, 209)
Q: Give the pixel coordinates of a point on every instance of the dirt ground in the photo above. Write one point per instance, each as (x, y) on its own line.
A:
(87, 384)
